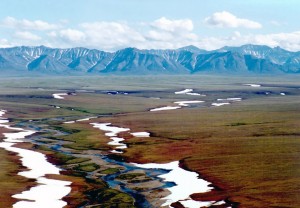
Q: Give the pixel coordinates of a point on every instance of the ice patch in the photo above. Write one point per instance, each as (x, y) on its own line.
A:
(69, 122)
(79, 120)
(252, 85)
(17, 137)
(188, 92)
(59, 95)
(219, 203)
(195, 204)
(219, 104)
(112, 132)
(86, 119)
(179, 103)
(141, 134)
(116, 151)
(116, 141)
(46, 195)
(48, 192)
(187, 183)
(2, 112)
(186, 103)
(196, 94)
(165, 108)
(184, 91)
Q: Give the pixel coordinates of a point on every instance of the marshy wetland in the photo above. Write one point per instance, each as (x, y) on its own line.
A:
(157, 141)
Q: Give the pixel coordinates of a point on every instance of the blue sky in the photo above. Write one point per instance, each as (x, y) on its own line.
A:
(114, 24)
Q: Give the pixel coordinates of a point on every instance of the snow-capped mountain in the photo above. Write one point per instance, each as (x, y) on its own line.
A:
(186, 60)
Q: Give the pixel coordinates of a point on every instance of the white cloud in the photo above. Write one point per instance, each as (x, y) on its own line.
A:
(288, 41)
(166, 33)
(27, 36)
(25, 24)
(162, 33)
(52, 34)
(225, 19)
(71, 35)
(4, 43)
(180, 25)
(111, 35)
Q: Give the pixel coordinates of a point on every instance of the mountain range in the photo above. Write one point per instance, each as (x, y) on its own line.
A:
(128, 61)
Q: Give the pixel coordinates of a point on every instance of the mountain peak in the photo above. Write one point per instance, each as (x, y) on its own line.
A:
(191, 48)
(190, 59)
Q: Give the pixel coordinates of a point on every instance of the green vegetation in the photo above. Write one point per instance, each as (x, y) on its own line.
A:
(10, 183)
(85, 138)
(251, 163)
(249, 149)
(77, 160)
(115, 198)
(66, 130)
(87, 167)
(110, 171)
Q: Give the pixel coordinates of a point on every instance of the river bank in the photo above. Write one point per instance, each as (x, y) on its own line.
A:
(47, 192)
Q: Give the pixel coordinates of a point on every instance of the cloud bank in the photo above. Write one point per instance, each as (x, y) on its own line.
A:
(162, 33)
(225, 19)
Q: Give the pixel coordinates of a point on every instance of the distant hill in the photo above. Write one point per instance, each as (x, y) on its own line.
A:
(128, 61)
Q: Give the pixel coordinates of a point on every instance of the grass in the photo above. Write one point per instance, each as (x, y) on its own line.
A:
(87, 167)
(88, 192)
(250, 149)
(110, 171)
(10, 182)
(85, 138)
(77, 160)
(134, 177)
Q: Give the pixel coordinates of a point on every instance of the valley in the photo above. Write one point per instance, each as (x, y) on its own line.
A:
(132, 141)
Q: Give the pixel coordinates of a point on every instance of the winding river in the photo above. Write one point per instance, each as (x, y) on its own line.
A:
(179, 182)
(48, 193)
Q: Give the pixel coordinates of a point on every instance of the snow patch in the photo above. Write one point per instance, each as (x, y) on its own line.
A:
(184, 91)
(48, 192)
(252, 85)
(83, 119)
(187, 183)
(59, 95)
(69, 122)
(186, 103)
(86, 119)
(219, 104)
(141, 134)
(116, 151)
(112, 132)
(188, 92)
(166, 108)
(196, 94)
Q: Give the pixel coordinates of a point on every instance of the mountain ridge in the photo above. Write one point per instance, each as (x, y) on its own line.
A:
(186, 60)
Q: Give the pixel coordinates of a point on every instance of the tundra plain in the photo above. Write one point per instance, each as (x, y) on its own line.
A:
(247, 149)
